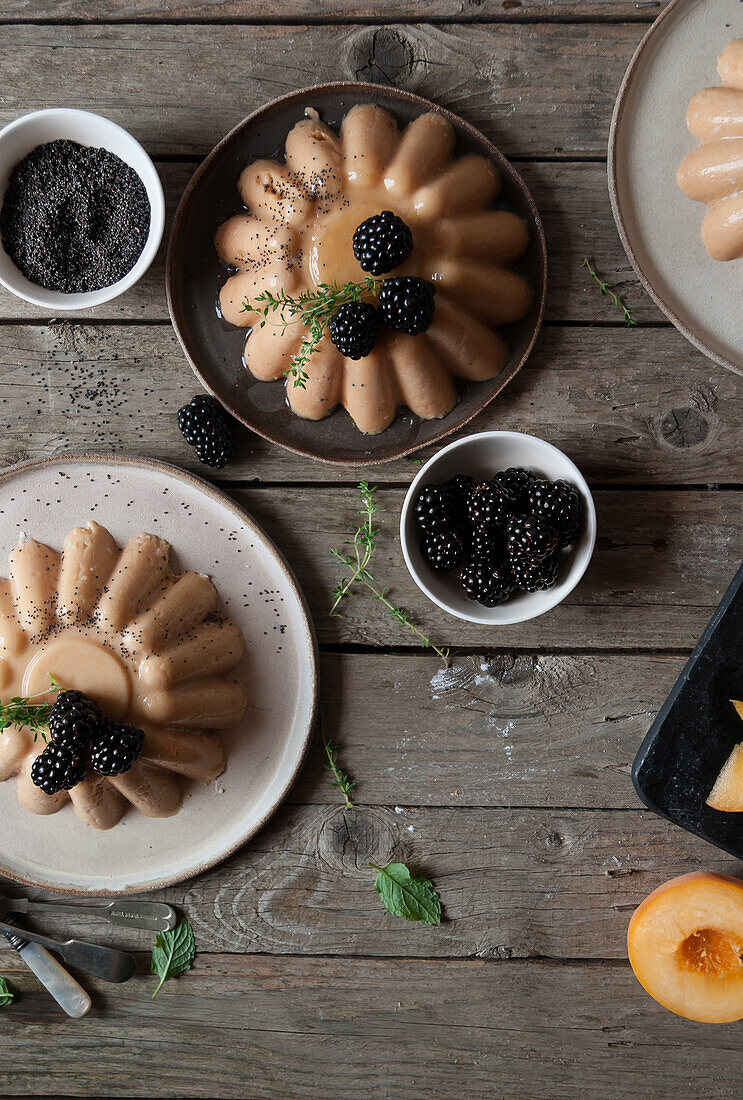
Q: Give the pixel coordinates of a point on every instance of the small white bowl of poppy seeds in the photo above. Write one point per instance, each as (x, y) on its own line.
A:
(81, 209)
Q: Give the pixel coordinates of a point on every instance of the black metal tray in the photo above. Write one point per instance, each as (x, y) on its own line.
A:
(696, 730)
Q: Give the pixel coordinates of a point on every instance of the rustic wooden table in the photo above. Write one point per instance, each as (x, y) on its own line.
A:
(506, 778)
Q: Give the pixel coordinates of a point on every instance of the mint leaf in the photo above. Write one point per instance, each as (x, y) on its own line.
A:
(405, 896)
(173, 953)
(6, 995)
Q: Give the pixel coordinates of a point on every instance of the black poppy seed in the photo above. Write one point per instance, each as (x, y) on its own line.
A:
(74, 218)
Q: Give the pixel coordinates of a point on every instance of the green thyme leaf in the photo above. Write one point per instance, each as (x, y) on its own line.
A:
(607, 289)
(344, 782)
(6, 994)
(22, 712)
(405, 896)
(173, 953)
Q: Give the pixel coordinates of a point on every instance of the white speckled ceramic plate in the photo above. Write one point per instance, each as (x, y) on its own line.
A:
(209, 534)
(660, 227)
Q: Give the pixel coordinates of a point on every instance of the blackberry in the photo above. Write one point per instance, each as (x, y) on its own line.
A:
(533, 575)
(382, 243)
(486, 584)
(206, 427)
(73, 721)
(406, 303)
(490, 505)
(486, 545)
(442, 549)
(56, 769)
(559, 504)
(434, 507)
(354, 328)
(117, 748)
(460, 487)
(530, 537)
(518, 481)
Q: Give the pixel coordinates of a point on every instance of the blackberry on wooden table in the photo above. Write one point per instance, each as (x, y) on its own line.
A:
(205, 425)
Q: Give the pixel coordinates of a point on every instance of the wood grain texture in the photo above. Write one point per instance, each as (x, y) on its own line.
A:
(372, 1028)
(513, 883)
(574, 204)
(536, 89)
(319, 11)
(627, 406)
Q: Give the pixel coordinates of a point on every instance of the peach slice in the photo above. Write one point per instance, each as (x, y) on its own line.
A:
(727, 793)
(685, 942)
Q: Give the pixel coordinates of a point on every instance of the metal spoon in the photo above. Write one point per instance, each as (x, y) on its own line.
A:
(102, 962)
(154, 916)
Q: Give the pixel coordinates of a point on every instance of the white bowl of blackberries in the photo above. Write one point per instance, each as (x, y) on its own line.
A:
(498, 527)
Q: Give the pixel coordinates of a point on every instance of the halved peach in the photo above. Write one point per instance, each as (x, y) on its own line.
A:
(685, 942)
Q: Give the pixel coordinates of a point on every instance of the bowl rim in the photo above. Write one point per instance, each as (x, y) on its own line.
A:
(105, 294)
(577, 568)
(341, 87)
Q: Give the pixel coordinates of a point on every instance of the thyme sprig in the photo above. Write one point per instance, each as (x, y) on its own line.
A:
(22, 711)
(607, 289)
(314, 309)
(357, 562)
(340, 779)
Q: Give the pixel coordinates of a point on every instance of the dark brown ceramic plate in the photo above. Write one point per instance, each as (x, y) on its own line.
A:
(214, 348)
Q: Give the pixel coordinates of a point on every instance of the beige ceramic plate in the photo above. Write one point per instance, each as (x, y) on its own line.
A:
(211, 535)
(660, 227)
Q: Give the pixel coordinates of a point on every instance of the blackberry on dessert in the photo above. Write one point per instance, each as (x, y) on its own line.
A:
(435, 507)
(407, 303)
(490, 505)
(559, 504)
(535, 576)
(443, 549)
(354, 328)
(117, 748)
(531, 537)
(488, 585)
(57, 769)
(382, 243)
(74, 721)
(206, 427)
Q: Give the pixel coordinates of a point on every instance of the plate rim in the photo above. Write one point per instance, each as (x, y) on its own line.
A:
(616, 209)
(502, 162)
(245, 517)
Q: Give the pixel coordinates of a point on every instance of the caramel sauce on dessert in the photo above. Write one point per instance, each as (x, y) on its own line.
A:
(713, 173)
(143, 642)
(297, 234)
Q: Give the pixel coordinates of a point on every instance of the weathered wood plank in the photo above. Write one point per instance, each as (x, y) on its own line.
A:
(319, 11)
(662, 562)
(184, 86)
(574, 204)
(627, 406)
(258, 1027)
(513, 883)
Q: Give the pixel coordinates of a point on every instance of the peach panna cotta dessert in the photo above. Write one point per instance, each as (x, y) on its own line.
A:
(713, 173)
(297, 234)
(685, 943)
(141, 641)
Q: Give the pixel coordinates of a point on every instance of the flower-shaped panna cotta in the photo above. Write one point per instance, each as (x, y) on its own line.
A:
(143, 642)
(297, 234)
